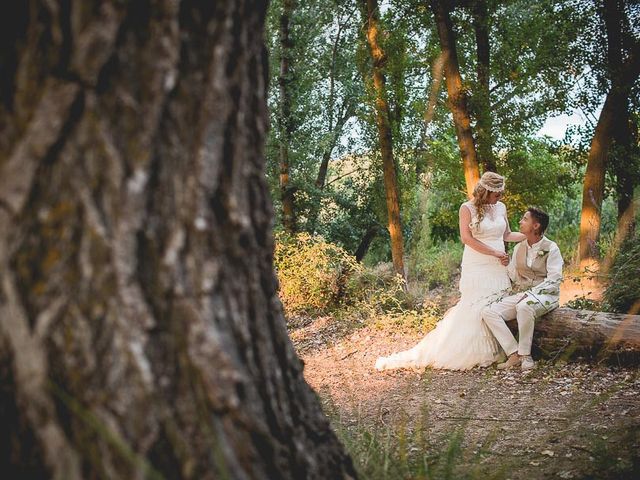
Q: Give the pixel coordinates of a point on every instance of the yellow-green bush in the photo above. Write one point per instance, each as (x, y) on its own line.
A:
(437, 264)
(377, 290)
(311, 272)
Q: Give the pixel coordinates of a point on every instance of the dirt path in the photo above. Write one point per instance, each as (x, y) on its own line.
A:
(557, 421)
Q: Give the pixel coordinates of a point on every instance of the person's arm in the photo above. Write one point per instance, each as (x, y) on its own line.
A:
(467, 238)
(511, 268)
(510, 236)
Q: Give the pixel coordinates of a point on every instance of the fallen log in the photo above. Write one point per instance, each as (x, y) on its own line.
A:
(565, 334)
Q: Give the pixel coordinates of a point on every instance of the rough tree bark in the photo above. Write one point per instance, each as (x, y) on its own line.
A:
(284, 117)
(602, 336)
(625, 168)
(140, 331)
(371, 17)
(482, 97)
(623, 165)
(615, 103)
(456, 93)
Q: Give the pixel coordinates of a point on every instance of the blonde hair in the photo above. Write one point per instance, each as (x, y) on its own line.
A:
(489, 182)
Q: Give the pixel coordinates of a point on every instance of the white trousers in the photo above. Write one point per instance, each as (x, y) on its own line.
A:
(524, 311)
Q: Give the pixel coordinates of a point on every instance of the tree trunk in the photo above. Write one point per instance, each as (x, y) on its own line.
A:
(365, 242)
(482, 98)
(286, 125)
(593, 188)
(371, 16)
(566, 333)
(625, 169)
(334, 135)
(326, 154)
(140, 331)
(623, 166)
(457, 95)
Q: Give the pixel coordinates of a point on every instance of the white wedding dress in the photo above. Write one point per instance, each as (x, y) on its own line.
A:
(461, 340)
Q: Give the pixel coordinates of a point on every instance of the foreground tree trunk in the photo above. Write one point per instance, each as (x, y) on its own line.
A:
(371, 13)
(614, 107)
(285, 123)
(457, 96)
(140, 331)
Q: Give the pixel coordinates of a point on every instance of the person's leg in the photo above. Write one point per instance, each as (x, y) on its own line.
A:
(526, 312)
(495, 316)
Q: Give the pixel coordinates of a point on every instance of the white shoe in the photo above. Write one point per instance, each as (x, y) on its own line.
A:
(381, 364)
(527, 363)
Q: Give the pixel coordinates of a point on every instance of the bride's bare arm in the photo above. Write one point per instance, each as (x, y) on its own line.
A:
(467, 238)
(510, 236)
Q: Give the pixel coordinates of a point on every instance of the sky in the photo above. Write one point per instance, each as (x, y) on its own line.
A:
(555, 127)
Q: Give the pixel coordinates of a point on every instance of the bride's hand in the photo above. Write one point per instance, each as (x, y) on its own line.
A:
(502, 256)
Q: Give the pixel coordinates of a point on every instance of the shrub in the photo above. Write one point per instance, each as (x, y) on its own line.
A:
(623, 290)
(380, 296)
(377, 290)
(311, 272)
(438, 263)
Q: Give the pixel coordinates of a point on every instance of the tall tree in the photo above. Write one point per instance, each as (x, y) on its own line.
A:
(624, 148)
(457, 96)
(371, 17)
(285, 121)
(616, 103)
(140, 331)
(337, 117)
(482, 95)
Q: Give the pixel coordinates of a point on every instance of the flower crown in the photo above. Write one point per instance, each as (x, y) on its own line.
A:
(491, 189)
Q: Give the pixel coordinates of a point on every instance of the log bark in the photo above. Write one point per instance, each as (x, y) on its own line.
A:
(565, 333)
(370, 13)
(140, 331)
(457, 97)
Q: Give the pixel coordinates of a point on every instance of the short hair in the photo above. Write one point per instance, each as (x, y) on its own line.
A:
(539, 216)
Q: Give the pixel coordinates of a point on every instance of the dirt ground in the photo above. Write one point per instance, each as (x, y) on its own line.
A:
(569, 420)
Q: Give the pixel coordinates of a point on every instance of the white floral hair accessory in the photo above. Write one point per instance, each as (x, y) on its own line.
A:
(491, 189)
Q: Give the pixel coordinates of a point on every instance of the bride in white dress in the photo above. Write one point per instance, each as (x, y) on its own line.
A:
(461, 340)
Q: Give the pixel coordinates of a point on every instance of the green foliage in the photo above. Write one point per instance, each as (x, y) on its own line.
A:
(536, 44)
(310, 272)
(316, 276)
(584, 303)
(533, 175)
(547, 57)
(378, 290)
(381, 297)
(623, 290)
(438, 264)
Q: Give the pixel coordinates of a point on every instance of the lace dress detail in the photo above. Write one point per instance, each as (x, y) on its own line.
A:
(461, 340)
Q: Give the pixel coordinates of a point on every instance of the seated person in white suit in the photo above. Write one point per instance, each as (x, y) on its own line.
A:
(536, 272)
